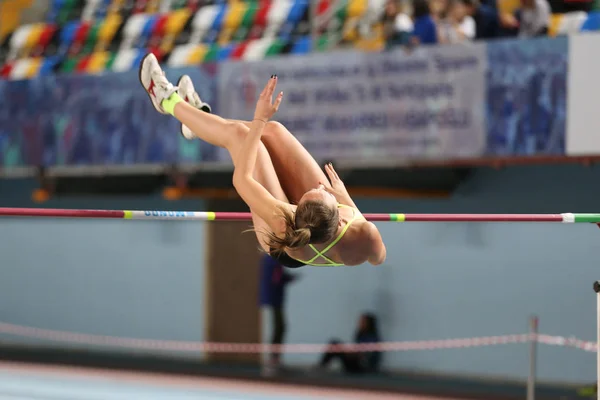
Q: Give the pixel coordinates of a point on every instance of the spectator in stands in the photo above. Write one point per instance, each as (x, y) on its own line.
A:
(425, 31)
(490, 23)
(456, 26)
(439, 9)
(534, 18)
(273, 282)
(397, 24)
(359, 362)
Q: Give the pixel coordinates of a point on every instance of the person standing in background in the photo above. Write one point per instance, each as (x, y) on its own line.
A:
(490, 23)
(397, 23)
(273, 281)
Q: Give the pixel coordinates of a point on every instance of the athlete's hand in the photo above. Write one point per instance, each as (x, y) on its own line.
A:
(337, 188)
(265, 107)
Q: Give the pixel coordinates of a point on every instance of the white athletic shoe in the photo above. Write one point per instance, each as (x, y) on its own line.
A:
(154, 81)
(187, 92)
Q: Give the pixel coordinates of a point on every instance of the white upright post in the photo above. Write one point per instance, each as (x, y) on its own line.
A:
(533, 331)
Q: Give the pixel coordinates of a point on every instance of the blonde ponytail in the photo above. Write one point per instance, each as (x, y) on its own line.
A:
(292, 238)
(318, 221)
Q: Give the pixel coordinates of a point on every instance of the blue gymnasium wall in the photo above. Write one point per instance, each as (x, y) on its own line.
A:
(440, 280)
(107, 277)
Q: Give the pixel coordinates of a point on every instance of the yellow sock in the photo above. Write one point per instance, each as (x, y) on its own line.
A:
(169, 104)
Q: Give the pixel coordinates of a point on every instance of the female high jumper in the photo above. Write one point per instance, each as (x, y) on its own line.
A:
(299, 216)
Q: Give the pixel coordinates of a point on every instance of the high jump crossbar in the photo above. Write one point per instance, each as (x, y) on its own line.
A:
(246, 216)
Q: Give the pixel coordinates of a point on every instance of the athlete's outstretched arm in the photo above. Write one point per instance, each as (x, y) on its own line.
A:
(253, 193)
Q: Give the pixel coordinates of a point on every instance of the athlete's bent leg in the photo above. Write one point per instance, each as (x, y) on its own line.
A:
(212, 129)
(230, 135)
(297, 170)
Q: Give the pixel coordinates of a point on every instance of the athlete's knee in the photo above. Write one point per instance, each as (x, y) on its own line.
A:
(275, 125)
(238, 131)
(275, 128)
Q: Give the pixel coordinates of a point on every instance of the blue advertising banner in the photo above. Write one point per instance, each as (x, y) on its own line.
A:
(500, 98)
(94, 120)
(372, 107)
(527, 96)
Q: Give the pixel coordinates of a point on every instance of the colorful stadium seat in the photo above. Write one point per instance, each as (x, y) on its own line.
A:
(555, 23)
(133, 29)
(571, 23)
(239, 50)
(97, 62)
(247, 21)
(203, 22)
(296, 14)
(25, 68)
(107, 31)
(18, 41)
(91, 36)
(224, 52)
(277, 16)
(260, 20)
(302, 46)
(10, 15)
(48, 66)
(125, 60)
(232, 21)
(67, 36)
(592, 22)
(258, 49)
(174, 25)
(181, 55)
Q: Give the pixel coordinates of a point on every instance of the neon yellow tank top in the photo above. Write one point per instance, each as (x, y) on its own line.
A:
(321, 253)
